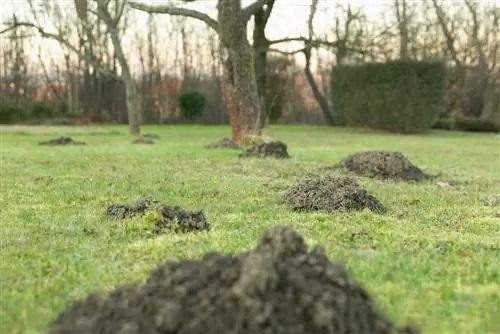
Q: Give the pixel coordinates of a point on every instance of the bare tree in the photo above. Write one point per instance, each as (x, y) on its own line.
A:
(239, 83)
(342, 46)
(110, 12)
(403, 17)
(261, 45)
(476, 68)
(15, 70)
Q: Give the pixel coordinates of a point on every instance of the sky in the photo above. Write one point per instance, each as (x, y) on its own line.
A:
(289, 18)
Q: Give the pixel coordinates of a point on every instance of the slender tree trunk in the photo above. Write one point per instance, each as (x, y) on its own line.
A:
(261, 44)
(131, 93)
(238, 60)
(322, 102)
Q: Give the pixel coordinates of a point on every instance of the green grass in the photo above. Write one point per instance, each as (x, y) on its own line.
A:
(435, 258)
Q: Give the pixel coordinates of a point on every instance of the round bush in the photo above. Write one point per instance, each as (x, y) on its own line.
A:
(192, 104)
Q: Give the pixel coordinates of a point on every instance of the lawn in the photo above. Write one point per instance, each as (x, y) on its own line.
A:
(433, 260)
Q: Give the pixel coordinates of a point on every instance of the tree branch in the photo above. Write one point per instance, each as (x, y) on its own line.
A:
(253, 8)
(176, 11)
(62, 41)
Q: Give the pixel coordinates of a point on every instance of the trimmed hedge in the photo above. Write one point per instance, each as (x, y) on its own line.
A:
(399, 96)
(468, 124)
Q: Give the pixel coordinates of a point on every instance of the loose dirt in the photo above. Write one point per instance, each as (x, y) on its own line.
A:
(385, 165)
(61, 141)
(223, 143)
(143, 140)
(275, 149)
(164, 217)
(330, 194)
(278, 287)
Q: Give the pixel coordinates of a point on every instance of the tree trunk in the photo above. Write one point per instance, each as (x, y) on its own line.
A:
(261, 44)
(131, 93)
(239, 75)
(322, 102)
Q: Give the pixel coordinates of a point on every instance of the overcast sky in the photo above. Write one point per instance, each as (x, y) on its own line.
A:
(288, 19)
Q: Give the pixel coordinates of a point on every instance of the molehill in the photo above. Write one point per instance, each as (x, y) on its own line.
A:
(330, 194)
(223, 143)
(385, 165)
(146, 139)
(279, 287)
(275, 149)
(164, 217)
(61, 141)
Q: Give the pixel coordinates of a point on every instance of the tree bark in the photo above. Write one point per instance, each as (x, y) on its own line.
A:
(261, 46)
(322, 102)
(239, 83)
(239, 73)
(132, 95)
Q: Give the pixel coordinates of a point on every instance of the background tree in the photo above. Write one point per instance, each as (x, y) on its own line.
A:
(108, 12)
(239, 83)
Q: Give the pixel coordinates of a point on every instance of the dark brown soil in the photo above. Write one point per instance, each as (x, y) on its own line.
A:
(330, 194)
(278, 287)
(143, 140)
(275, 149)
(61, 141)
(150, 136)
(385, 165)
(223, 143)
(167, 218)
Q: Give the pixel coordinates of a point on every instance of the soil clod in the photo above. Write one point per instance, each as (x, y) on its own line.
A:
(150, 136)
(492, 201)
(164, 217)
(143, 140)
(61, 141)
(275, 149)
(278, 287)
(223, 143)
(330, 194)
(385, 165)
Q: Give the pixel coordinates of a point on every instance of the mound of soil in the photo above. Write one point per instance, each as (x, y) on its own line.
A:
(330, 194)
(143, 140)
(279, 287)
(166, 218)
(223, 143)
(61, 141)
(150, 136)
(385, 165)
(275, 149)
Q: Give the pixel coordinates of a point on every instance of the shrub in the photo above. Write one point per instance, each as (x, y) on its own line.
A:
(469, 124)
(192, 104)
(400, 96)
(9, 114)
(41, 110)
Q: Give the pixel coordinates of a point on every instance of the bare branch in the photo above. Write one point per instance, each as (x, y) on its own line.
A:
(253, 8)
(176, 11)
(6, 30)
(288, 39)
(62, 41)
(313, 43)
(120, 11)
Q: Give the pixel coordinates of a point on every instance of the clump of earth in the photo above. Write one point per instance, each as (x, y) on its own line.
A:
(223, 143)
(330, 194)
(385, 165)
(274, 149)
(146, 139)
(150, 136)
(278, 287)
(61, 141)
(164, 217)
